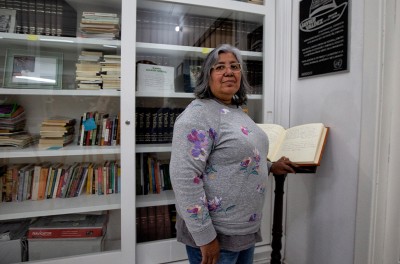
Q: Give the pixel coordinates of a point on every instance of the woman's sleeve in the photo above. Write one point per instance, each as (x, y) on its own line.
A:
(191, 146)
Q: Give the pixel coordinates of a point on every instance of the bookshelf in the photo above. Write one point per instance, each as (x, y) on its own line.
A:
(40, 103)
(166, 51)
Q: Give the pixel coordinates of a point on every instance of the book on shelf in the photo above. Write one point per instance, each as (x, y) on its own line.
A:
(99, 25)
(99, 129)
(154, 223)
(57, 132)
(155, 125)
(44, 172)
(44, 17)
(59, 121)
(68, 226)
(55, 143)
(18, 140)
(151, 222)
(25, 182)
(302, 144)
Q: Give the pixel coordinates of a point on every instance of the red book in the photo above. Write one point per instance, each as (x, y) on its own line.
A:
(68, 226)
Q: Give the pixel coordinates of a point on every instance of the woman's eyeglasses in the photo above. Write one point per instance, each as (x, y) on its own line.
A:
(221, 68)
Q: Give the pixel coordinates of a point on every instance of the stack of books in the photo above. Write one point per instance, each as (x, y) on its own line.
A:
(68, 226)
(111, 71)
(12, 126)
(100, 25)
(66, 235)
(88, 70)
(56, 132)
(12, 118)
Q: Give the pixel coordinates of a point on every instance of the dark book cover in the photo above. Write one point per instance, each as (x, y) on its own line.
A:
(143, 232)
(152, 226)
(167, 221)
(47, 17)
(154, 125)
(39, 17)
(148, 124)
(140, 128)
(146, 172)
(160, 222)
(139, 183)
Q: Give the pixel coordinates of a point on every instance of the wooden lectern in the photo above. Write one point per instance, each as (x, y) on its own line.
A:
(277, 225)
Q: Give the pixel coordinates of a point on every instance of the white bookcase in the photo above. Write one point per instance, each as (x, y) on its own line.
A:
(41, 103)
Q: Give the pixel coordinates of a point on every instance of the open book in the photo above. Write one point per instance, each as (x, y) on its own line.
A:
(302, 144)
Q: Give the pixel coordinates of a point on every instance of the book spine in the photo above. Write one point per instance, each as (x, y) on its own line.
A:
(115, 130)
(140, 125)
(32, 16)
(143, 232)
(27, 184)
(148, 124)
(17, 5)
(35, 184)
(160, 223)
(167, 221)
(42, 182)
(80, 131)
(49, 182)
(154, 126)
(46, 233)
(18, 184)
(39, 17)
(151, 211)
(59, 17)
(94, 131)
(60, 184)
(47, 17)
(53, 17)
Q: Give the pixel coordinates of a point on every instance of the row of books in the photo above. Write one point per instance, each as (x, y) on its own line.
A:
(43, 17)
(21, 182)
(155, 125)
(197, 31)
(155, 222)
(99, 129)
(152, 174)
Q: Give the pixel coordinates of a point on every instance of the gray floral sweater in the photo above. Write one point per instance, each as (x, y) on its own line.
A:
(219, 170)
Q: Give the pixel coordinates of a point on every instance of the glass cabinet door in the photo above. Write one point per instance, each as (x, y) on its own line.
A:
(172, 40)
(60, 173)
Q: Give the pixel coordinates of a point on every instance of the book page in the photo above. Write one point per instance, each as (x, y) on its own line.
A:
(275, 134)
(301, 143)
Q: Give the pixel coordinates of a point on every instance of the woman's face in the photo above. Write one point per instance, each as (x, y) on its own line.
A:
(225, 85)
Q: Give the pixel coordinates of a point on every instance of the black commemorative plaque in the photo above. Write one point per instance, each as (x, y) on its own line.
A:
(323, 37)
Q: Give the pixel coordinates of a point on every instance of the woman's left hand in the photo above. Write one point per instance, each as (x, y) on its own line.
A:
(283, 166)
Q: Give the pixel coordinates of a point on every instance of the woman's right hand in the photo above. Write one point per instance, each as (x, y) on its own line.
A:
(210, 252)
(283, 166)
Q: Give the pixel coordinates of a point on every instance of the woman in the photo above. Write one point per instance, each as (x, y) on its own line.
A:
(219, 166)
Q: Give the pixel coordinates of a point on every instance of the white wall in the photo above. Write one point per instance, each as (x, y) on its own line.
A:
(321, 208)
(378, 218)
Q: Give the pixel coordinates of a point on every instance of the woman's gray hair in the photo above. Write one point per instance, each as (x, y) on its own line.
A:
(203, 90)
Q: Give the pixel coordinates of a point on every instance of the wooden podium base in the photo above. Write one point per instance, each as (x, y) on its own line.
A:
(277, 232)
